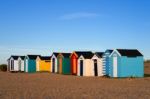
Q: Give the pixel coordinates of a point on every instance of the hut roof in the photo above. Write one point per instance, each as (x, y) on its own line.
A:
(45, 57)
(99, 54)
(33, 56)
(87, 55)
(129, 52)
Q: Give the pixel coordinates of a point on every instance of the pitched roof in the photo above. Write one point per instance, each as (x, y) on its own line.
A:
(99, 54)
(110, 50)
(22, 57)
(79, 53)
(15, 57)
(129, 52)
(56, 54)
(45, 57)
(66, 55)
(87, 55)
(32, 56)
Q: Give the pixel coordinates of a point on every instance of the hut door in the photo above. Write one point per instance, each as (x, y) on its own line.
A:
(26, 65)
(12, 65)
(53, 63)
(81, 67)
(114, 66)
(19, 65)
(60, 65)
(95, 68)
(74, 66)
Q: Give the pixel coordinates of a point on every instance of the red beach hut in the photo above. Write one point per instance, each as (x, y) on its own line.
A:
(74, 60)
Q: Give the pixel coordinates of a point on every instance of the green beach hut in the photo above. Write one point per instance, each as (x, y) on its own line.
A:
(64, 63)
(30, 63)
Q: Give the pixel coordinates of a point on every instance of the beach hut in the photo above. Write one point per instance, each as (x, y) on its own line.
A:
(30, 63)
(64, 64)
(74, 60)
(126, 63)
(54, 66)
(21, 63)
(13, 63)
(85, 67)
(106, 61)
(97, 64)
(43, 63)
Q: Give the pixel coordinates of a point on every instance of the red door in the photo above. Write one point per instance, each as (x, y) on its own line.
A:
(74, 64)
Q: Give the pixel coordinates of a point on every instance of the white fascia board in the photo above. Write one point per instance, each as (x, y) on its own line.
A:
(81, 57)
(114, 52)
(95, 57)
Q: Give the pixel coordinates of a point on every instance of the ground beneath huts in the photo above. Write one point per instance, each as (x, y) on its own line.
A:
(56, 86)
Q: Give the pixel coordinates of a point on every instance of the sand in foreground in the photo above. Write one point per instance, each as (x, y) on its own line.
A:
(55, 86)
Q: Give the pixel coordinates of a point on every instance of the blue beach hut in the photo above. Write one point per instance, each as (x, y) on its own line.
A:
(105, 58)
(126, 63)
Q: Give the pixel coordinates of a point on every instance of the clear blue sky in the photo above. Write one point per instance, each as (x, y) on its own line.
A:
(44, 26)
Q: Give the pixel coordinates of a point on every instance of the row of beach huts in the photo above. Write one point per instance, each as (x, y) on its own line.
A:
(112, 63)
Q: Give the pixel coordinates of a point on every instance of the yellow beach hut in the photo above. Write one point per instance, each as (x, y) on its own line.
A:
(43, 64)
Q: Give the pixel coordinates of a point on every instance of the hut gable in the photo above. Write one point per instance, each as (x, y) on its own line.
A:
(81, 57)
(38, 58)
(14, 57)
(55, 54)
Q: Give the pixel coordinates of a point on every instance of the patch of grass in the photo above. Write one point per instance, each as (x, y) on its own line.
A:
(3, 67)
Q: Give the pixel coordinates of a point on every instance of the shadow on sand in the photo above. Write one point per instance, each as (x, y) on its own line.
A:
(146, 75)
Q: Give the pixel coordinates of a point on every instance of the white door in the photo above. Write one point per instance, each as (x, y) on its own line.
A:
(22, 65)
(114, 66)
